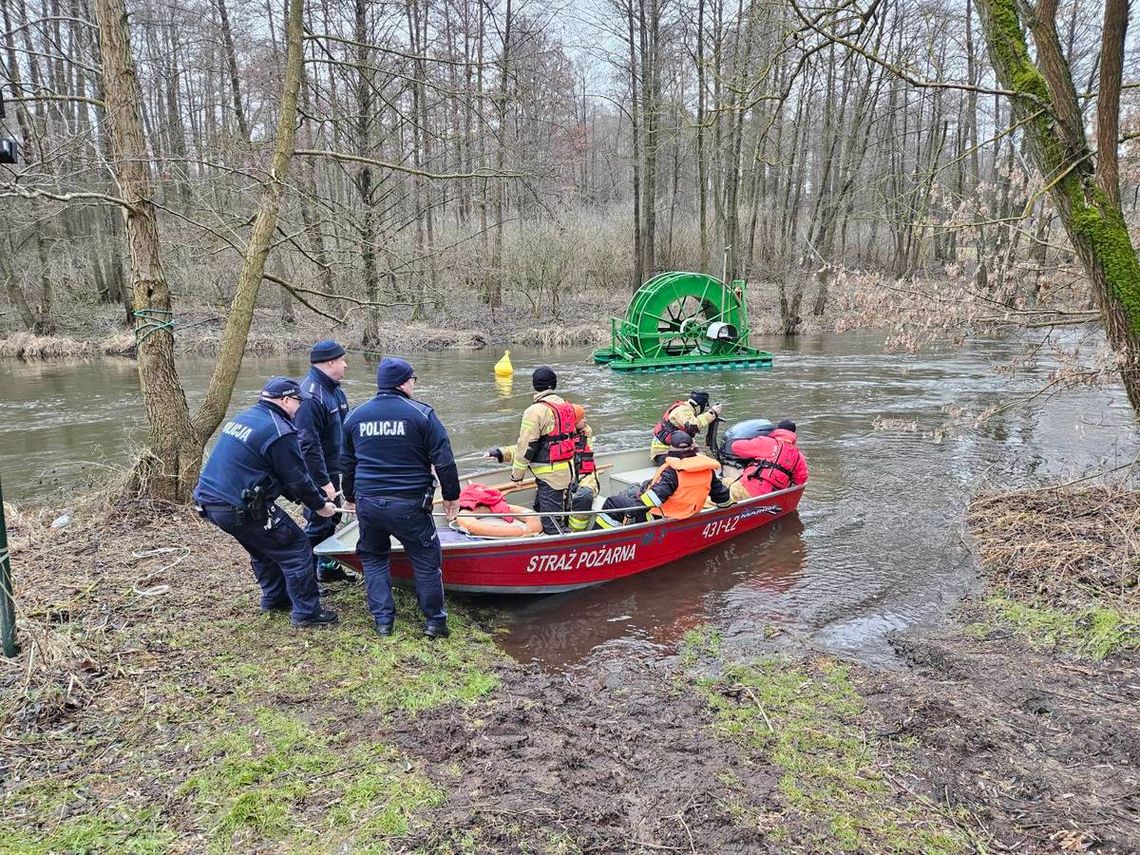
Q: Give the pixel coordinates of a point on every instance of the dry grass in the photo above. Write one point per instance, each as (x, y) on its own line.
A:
(153, 709)
(1062, 545)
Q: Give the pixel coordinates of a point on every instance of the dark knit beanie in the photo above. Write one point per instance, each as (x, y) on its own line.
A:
(681, 444)
(325, 350)
(544, 378)
(392, 372)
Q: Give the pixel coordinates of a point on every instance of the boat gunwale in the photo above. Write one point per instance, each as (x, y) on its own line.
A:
(487, 544)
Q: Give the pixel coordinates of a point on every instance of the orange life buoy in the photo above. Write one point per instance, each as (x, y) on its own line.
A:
(482, 523)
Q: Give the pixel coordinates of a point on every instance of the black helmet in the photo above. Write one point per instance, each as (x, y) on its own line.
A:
(787, 424)
(700, 397)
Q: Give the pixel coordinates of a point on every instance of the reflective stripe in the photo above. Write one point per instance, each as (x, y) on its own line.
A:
(547, 468)
(606, 521)
(650, 500)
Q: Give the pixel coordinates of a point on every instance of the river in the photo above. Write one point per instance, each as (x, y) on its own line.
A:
(879, 541)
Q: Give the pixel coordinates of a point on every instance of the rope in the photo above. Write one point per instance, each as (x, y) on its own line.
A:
(151, 321)
(4, 555)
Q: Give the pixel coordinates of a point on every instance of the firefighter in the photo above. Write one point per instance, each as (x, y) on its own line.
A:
(692, 416)
(546, 446)
(775, 463)
(684, 481)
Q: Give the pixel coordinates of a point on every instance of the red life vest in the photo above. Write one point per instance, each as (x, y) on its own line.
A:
(773, 467)
(480, 494)
(558, 445)
(666, 427)
(583, 454)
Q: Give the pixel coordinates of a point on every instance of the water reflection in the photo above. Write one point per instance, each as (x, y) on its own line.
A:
(660, 606)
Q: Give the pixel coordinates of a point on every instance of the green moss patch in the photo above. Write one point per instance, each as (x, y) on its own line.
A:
(840, 791)
(1095, 632)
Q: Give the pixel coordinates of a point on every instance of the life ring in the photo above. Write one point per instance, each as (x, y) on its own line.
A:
(475, 523)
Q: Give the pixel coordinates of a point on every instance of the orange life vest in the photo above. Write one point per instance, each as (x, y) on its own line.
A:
(694, 478)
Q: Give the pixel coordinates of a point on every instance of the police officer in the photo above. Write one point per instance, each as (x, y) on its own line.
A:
(256, 459)
(691, 416)
(391, 444)
(321, 424)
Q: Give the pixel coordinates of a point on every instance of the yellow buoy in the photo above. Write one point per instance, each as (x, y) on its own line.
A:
(503, 367)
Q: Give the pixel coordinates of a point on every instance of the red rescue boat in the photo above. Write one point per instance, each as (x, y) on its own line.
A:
(545, 564)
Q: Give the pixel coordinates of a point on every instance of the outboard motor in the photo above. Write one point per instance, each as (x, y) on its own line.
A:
(745, 430)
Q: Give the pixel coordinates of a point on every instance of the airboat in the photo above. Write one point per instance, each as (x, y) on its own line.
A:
(683, 321)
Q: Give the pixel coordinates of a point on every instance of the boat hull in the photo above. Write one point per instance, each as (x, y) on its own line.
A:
(543, 565)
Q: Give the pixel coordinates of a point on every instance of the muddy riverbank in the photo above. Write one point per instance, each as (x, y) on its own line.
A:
(154, 710)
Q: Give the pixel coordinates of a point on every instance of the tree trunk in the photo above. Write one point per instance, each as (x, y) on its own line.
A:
(495, 288)
(1086, 196)
(232, 69)
(638, 257)
(168, 469)
(240, 315)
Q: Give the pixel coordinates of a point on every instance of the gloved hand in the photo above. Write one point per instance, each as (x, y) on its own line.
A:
(716, 408)
(517, 476)
(496, 453)
(328, 510)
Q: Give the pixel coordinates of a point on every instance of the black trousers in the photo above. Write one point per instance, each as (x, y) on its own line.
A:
(547, 499)
(318, 528)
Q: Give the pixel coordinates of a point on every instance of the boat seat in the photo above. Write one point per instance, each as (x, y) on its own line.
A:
(634, 476)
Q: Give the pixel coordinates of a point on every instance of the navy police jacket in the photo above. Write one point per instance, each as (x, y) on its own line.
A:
(390, 444)
(321, 423)
(257, 448)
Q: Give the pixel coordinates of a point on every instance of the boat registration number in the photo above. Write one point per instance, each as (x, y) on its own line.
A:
(719, 527)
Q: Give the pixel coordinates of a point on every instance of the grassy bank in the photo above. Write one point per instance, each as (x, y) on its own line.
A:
(153, 709)
(467, 325)
(1061, 567)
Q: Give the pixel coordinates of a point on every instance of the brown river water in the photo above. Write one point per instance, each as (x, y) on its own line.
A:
(878, 544)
